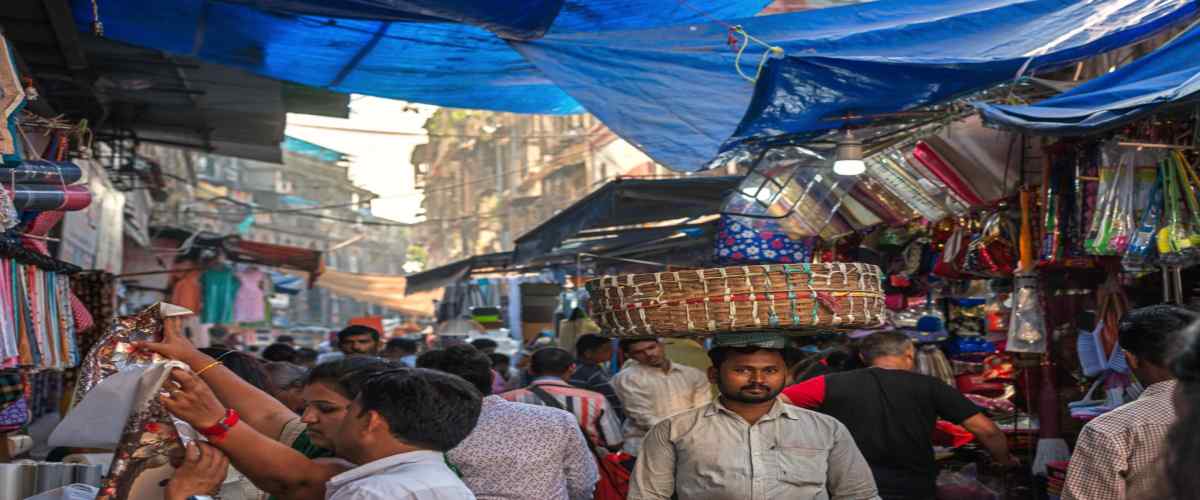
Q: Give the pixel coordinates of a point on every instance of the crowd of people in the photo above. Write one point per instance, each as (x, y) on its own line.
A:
(385, 420)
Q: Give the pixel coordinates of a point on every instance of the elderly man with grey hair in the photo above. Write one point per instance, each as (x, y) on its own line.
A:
(891, 411)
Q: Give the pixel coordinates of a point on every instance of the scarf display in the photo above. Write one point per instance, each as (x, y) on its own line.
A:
(37, 327)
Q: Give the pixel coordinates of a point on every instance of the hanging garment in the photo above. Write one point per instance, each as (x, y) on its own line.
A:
(220, 291)
(248, 306)
(186, 290)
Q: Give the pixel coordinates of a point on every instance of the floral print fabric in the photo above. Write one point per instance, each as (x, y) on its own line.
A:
(752, 241)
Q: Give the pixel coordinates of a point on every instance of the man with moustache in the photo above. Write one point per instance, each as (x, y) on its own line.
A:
(749, 445)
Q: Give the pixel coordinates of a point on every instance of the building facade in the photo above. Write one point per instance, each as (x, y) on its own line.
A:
(489, 177)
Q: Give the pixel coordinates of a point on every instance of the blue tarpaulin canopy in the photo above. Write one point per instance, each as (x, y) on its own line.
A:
(673, 92)
(442, 63)
(659, 73)
(1169, 75)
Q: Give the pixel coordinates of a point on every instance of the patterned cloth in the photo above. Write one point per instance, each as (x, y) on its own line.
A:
(10, 386)
(1120, 454)
(594, 377)
(651, 395)
(519, 451)
(740, 243)
(590, 408)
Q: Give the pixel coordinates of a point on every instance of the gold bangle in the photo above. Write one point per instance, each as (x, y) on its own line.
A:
(210, 365)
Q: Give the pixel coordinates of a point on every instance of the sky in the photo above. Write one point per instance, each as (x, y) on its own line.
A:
(379, 136)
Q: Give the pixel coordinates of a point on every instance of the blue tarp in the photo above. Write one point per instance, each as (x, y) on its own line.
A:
(670, 90)
(519, 19)
(447, 64)
(673, 92)
(1169, 75)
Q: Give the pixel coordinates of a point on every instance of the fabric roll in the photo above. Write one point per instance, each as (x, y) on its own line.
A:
(42, 197)
(87, 474)
(18, 480)
(56, 173)
(53, 475)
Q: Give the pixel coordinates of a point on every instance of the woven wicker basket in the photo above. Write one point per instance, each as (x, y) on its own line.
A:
(792, 297)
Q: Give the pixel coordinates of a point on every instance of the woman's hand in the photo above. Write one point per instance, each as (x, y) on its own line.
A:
(176, 346)
(192, 400)
(202, 472)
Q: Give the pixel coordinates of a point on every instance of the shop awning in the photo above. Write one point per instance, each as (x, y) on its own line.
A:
(382, 290)
(460, 58)
(1168, 76)
(674, 93)
(130, 91)
(277, 256)
(661, 74)
(627, 202)
(439, 277)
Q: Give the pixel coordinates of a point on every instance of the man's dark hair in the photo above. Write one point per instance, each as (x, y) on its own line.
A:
(285, 339)
(551, 361)
(304, 355)
(279, 352)
(589, 342)
(1148, 332)
(285, 375)
(402, 344)
(354, 330)
(885, 343)
(627, 343)
(718, 355)
(423, 408)
(245, 366)
(482, 344)
(346, 375)
(500, 359)
(463, 360)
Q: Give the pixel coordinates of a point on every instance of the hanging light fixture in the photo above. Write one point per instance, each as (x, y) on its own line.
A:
(849, 158)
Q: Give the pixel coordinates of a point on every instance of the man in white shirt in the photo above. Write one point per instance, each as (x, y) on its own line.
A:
(653, 388)
(397, 431)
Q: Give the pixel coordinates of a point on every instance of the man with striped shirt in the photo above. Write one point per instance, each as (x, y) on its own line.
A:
(552, 367)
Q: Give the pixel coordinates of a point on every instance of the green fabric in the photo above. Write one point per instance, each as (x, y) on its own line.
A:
(220, 291)
(305, 446)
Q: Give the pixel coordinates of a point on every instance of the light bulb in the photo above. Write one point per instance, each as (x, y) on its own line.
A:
(849, 167)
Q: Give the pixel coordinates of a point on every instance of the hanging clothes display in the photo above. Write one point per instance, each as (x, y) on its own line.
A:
(37, 327)
(248, 304)
(186, 290)
(220, 291)
(97, 293)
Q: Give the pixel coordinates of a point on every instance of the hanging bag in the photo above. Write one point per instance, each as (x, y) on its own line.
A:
(949, 263)
(993, 254)
(1141, 253)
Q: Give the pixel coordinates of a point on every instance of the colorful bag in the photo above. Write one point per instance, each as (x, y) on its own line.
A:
(949, 263)
(14, 416)
(993, 254)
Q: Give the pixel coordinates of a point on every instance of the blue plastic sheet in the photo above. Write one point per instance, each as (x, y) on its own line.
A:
(519, 19)
(674, 93)
(447, 64)
(1169, 75)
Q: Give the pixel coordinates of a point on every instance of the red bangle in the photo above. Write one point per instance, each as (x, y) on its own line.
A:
(217, 432)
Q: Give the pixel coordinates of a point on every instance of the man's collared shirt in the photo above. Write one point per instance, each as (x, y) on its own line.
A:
(1121, 454)
(651, 395)
(519, 451)
(712, 453)
(594, 377)
(590, 408)
(416, 475)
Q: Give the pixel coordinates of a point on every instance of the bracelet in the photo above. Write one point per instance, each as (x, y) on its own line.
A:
(210, 365)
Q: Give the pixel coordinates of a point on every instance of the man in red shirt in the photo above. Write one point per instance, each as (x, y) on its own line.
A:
(891, 412)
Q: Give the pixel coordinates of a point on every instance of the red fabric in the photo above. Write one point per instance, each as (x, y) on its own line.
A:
(950, 435)
(614, 477)
(807, 394)
(950, 177)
